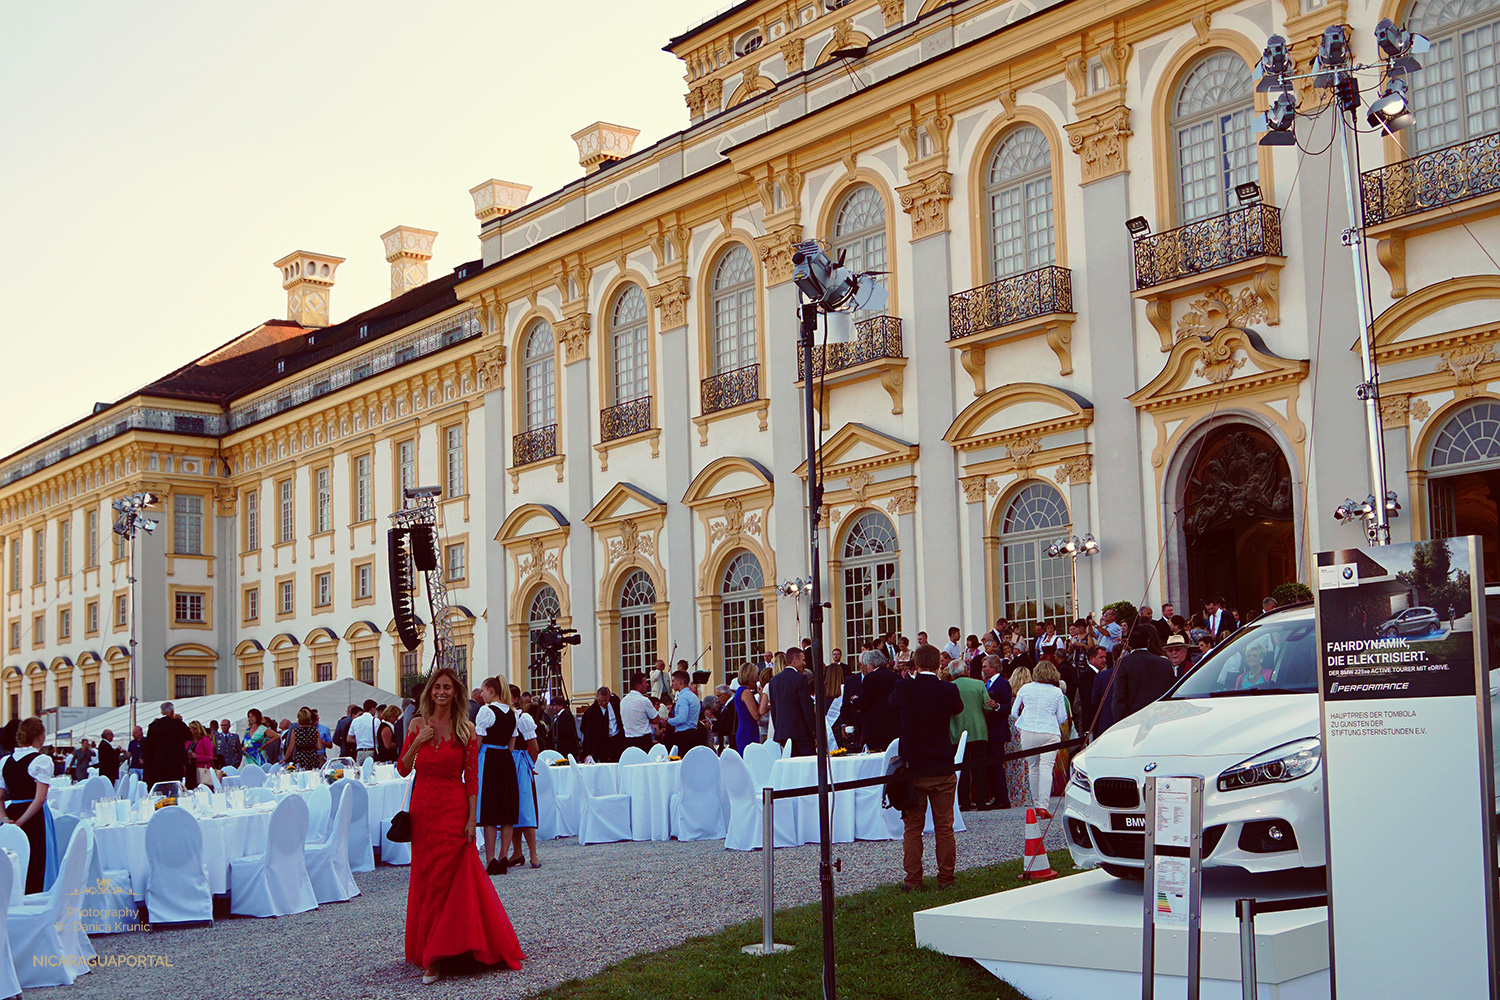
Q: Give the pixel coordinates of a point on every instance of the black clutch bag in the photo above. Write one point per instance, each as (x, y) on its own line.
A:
(400, 831)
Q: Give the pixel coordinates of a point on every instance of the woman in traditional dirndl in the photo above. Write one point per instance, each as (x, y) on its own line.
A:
(498, 790)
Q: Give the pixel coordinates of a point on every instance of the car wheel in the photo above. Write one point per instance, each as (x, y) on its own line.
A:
(1124, 871)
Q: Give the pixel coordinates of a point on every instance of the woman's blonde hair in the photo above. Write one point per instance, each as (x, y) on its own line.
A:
(391, 713)
(463, 729)
(304, 716)
(766, 674)
(749, 674)
(196, 730)
(1046, 673)
(1019, 678)
(833, 680)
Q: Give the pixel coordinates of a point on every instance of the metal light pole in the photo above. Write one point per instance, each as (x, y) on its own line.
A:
(128, 525)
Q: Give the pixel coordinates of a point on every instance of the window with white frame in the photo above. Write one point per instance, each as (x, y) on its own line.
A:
(872, 579)
(15, 562)
(325, 589)
(859, 231)
(364, 496)
(252, 604)
(288, 597)
(39, 566)
(252, 680)
(188, 609)
(288, 512)
(539, 377)
(1035, 586)
(454, 560)
(91, 530)
(288, 676)
(543, 608)
(733, 308)
(91, 611)
(629, 350)
(252, 520)
(65, 547)
(454, 465)
(122, 612)
(637, 624)
(1454, 95)
(187, 525)
(1018, 193)
(1213, 130)
(364, 581)
(325, 671)
(742, 612)
(64, 624)
(409, 663)
(366, 669)
(324, 512)
(406, 462)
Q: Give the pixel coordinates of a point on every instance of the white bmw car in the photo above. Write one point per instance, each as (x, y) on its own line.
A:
(1256, 747)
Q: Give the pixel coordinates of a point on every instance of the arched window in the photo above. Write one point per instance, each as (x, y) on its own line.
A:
(733, 304)
(1018, 191)
(1463, 487)
(543, 608)
(742, 613)
(637, 624)
(859, 230)
(1213, 132)
(629, 353)
(538, 374)
(1454, 96)
(872, 579)
(1036, 587)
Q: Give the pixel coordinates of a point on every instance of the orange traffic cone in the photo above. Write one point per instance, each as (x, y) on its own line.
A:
(1037, 865)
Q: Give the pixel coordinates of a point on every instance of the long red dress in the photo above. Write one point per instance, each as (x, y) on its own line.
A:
(451, 906)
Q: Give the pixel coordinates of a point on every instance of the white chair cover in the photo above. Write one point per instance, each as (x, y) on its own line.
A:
(361, 851)
(230, 769)
(568, 820)
(96, 789)
(252, 776)
(177, 890)
(12, 839)
(602, 819)
(122, 786)
(9, 985)
(546, 757)
(634, 755)
(695, 810)
(958, 817)
(231, 781)
(893, 824)
(745, 807)
(328, 860)
(63, 826)
(258, 794)
(137, 789)
(47, 947)
(659, 752)
(111, 896)
(759, 757)
(275, 883)
(367, 769)
(786, 749)
(319, 811)
(546, 803)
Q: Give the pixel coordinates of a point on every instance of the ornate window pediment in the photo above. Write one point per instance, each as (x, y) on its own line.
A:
(1232, 362)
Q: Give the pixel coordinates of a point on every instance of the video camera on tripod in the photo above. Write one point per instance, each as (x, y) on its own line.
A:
(552, 639)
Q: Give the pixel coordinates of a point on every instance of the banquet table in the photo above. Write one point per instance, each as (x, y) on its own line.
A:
(650, 787)
(603, 779)
(234, 835)
(65, 800)
(796, 819)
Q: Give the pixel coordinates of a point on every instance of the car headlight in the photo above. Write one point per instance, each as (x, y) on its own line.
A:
(1284, 763)
(1081, 780)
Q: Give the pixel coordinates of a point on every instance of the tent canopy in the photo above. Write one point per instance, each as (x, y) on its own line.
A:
(330, 698)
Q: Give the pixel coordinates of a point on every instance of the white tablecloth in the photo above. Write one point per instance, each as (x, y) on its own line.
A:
(225, 839)
(603, 779)
(66, 800)
(797, 819)
(650, 787)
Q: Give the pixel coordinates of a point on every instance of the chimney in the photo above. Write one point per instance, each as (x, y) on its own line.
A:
(493, 198)
(307, 277)
(408, 250)
(602, 144)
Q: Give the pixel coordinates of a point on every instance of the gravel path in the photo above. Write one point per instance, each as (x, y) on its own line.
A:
(585, 909)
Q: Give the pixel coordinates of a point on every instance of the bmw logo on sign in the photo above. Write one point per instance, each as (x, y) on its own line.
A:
(1151, 767)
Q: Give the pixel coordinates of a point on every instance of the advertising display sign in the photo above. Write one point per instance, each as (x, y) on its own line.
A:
(1172, 896)
(1407, 759)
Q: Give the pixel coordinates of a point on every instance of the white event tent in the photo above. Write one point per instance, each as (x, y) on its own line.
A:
(330, 698)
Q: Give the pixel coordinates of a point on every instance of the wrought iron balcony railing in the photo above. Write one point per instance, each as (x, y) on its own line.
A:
(534, 445)
(731, 388)
(1042, 292)
(1208, 244)
(1442, 177)
(875, 338)
(625, 419)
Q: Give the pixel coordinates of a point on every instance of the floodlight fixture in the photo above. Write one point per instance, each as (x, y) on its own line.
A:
(1399, 47)
(419, 492)
(1089, 547)
(1333, 54)
(1138, 226)
(1347, 509)
(1248, 193)
(1392, 505)
(1278, 122)
(1391, 111)
(1275, 63)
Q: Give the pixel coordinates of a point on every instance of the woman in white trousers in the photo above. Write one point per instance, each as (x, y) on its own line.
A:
(1039, 711)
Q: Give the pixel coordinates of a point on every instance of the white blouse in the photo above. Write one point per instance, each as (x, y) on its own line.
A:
(40, 768)
(1040, 708)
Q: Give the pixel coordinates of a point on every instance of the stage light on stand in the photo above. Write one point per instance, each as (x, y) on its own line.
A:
(1391, 111)
(1279, 120)
(1089, 547)
(1275, 62)
(1333, 54)
(1138, 227)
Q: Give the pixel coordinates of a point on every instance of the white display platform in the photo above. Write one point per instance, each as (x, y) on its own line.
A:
(1079, 938)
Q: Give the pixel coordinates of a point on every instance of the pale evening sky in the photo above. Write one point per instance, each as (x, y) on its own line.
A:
(157, 157)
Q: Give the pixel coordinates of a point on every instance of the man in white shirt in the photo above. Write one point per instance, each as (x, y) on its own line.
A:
(637, 714)
(362, 732)
(954, 649)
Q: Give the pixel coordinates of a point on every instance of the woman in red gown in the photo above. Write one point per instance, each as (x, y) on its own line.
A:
(451, 906)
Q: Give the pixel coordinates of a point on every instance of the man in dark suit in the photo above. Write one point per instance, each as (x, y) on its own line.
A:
(792, 706)
(166, 748)
(109, 756)
(1102, 702)
(1218, 619)
(997, 720)
(879, 720)
(603, 732)
(849, 709)
(926, 704)
(1141, 676)
(564, 727)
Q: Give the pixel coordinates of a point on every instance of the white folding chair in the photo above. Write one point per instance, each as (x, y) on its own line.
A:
(252, 776)
(112, 897)
(602, 819)
(48, 948)
(177, 888)
(634, 755)
(759, 757)
(319, 811)
(275, 883)
(546, 803)
(746, 809)
(367, 769)
(328, 860)
(546, 757)
(361, 851)
(230, 769)
(659, 752)
(786, 749)
(695, 809)
(14, 840)
(958, 817)
(567, 803)
(9, 985)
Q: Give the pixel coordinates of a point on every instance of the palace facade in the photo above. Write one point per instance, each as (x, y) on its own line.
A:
(610, 396)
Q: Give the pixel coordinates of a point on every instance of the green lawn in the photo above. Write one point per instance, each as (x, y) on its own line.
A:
(875, 954)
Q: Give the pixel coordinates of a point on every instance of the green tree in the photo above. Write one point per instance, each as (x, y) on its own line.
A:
(1291, 592)
(1430, 565)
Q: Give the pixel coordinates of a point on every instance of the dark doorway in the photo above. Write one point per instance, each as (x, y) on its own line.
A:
(1237, 521)
(1466, 504)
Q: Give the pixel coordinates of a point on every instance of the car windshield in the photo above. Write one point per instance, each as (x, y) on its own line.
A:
(1277, 657)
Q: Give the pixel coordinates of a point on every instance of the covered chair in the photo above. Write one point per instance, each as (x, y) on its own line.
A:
(177, 890)
(958, 817)
(546, 757)
(361, 850)
(319, 811)
(328, 860)
(9, 985)
(258, 794)
(96, 789)
(547, 825)
(695, 810)
(275, 883)
(746, 810)
(602, 819)
(634, 755)
(15, 841)
(48, 948)
(112, 895)
(252, 776)
(659, 752)
(568, 804)
(759, 757)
